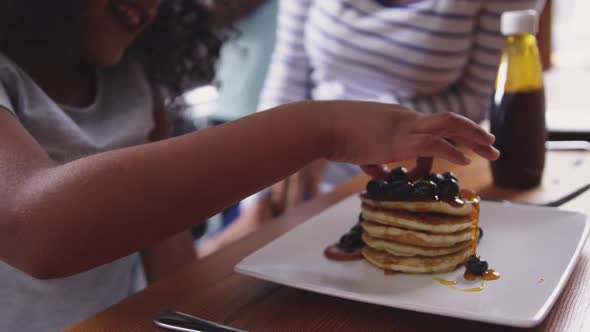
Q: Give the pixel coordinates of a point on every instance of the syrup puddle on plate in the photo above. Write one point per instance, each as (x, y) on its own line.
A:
(489, 275)
(453, 285)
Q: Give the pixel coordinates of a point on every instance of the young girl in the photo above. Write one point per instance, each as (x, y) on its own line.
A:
(81, 187)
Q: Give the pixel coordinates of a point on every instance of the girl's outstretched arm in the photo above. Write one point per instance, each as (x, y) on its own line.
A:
(171, 254)
(58, 220)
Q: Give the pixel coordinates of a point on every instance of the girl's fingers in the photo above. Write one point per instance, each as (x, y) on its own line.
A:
(454, 126)
(462, 131)
(487, 151)
(434, 146)
(422, 169)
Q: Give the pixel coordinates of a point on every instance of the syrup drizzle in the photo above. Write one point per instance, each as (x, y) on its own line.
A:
(475, 229)
(490, 274)
(453, 285)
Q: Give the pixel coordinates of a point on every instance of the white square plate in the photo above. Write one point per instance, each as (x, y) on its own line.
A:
(534, 248)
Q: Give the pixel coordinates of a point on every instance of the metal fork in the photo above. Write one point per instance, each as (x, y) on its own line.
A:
(179, 321)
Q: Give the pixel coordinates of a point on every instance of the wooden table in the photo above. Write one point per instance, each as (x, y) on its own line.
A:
(210, 289)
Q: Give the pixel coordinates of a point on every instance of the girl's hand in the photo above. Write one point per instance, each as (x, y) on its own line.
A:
(373, 133)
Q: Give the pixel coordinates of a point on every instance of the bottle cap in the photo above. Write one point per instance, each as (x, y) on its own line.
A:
(521, 21)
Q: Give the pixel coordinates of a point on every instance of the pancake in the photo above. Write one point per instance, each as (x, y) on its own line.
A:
(439, 264)
(429, 222)
(416, 238)
(431, 207)
(421, 234)
(398, 249)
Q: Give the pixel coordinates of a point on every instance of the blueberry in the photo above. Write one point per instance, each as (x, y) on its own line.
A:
(425, 189)
(398, 174)
(477, 266)
(450, 175)
(436, 178)
(356, 229)
(449, 189)
(473, 260)
(376, 188)
(399, 190)
(350, 242)
(482, 267)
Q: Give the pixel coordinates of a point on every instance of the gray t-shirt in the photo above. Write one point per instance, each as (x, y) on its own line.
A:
(120, 116)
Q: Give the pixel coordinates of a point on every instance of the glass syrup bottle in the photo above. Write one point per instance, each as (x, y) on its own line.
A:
(518, 105)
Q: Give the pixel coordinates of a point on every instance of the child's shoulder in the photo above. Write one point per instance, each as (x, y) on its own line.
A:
(7, 67)
(12, 77)
(11, 83)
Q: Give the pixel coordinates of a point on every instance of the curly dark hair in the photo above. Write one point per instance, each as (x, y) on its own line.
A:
(178, 50)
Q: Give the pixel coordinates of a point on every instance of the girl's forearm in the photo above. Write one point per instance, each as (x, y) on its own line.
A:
(96, 209)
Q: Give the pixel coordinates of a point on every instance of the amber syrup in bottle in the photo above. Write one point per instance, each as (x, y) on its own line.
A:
(518, 105)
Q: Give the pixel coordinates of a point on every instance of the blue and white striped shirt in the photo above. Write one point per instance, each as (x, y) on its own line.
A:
(429, 55)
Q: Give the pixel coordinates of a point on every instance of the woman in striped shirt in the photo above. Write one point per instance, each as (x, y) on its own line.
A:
(429, 55)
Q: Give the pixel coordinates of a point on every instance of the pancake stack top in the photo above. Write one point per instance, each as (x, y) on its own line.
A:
(425, 226)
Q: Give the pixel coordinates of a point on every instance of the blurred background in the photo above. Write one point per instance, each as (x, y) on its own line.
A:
(563, 40)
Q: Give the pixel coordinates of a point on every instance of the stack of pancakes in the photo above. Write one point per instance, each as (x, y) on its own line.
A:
(418, 237)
